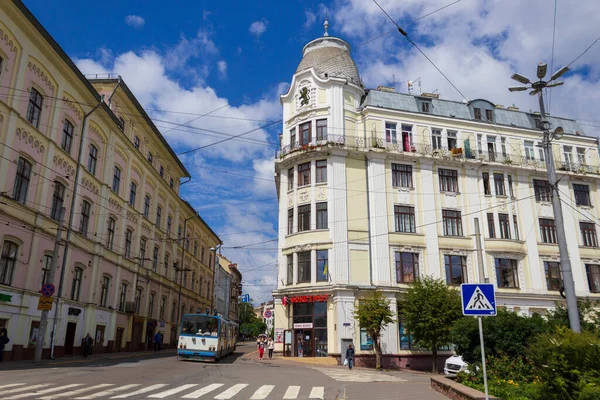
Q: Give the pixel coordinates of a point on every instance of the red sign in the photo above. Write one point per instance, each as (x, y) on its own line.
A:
(321, 298)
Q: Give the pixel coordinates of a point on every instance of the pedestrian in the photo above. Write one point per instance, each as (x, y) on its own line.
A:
(3, 341)
(87, 345)
(270, 347)
(350, 356)
(157, 341)
(300, 348)
(261, 348)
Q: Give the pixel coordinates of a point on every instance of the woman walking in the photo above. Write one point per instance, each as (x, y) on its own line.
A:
(270, 347)
(350, 356)
(261, 348)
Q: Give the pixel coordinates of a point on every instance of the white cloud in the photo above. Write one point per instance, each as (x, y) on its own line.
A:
(135, 21)
(310, 19)
(257, 28)
(222, 67)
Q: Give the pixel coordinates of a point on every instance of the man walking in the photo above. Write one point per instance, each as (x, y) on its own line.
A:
(157, 341)
(87, 345)
(3, 341)
(350, 356)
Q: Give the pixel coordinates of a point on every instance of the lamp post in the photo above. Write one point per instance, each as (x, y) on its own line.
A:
(565, 263)
(181, 269)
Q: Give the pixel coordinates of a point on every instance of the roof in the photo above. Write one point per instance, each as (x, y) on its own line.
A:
(460, 110)
(330, 57)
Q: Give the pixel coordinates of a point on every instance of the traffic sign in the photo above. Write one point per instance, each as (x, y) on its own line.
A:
(268, 314)
(478, 299)
(246, 298)
(48, 290)
(45, 303)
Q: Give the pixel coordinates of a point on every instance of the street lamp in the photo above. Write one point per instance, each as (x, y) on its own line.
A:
(567, 272)
(181, 269)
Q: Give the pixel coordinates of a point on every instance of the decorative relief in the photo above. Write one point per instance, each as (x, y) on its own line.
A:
(131, 216)
(303, 196)
(290, 201)
(303, 247)
(503, 206)
(321, 195)
(8, 40)
(31, 139)
(546, 210)
(145, 227)
(403, 197)
(90, 185)
(70, 104)
(96, 134)
(40, 72)
(120, 153)
(64, 165)
(115, 204)
(451, 200)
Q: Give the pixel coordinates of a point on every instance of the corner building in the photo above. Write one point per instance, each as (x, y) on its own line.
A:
(377, 188)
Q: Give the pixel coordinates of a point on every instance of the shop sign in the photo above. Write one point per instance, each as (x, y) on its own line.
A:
(320, 298)
(304, 325)
(279, 335)
(5, 297)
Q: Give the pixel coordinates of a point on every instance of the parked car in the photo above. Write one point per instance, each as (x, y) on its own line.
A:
(454, 365)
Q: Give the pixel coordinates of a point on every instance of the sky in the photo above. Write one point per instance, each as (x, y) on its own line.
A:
(232, 59)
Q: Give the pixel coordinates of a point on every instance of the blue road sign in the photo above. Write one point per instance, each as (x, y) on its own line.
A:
(478, 299)
(246, 298)
(47, 290)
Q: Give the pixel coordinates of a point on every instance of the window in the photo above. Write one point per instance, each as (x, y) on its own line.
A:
(581, 156)
(128, 239)
(122, 121)
(201, 254)
(568, 153)
(582, 195)
(541, 190)
(479, 143)
(138, 300)
(553, 275)
(547, 230)
(402, 175)
(452, 140)
(322, 216)
(196, 250)
(58, 198)
(390, 132)
(92, 159)
(448, 180)
(541, 151)
(516, 227)
(46, 265)
(67, 137)
(290, 269)
(158, 216)
(477, 112)
(193, 281)
(321, 171)
(321, 129)
(503, 144)
(22, 181)
(491, 147)
(34, 110)
(452, 223)
(104, 291)
(305, 133)
(304, 218)
(504, 226)
(290, 225)
(436, 139)
(110, 239)
(76, 285)
(507, 273)
(491, 226)
(155, 259)
(456, 269)
(161, 171)
(161, 310)
(290, 178)
(407, 267)
(404, 217)
(169, 225)
(179, 233)
(136, 142)
(132, 194)
(588, 234)
(116, 180)
(147, 206)
(304, 174)
(174, 312)
(499, 184)
(510, 186)
(529, 150)
(86, 209)
(185, 279)
(166, 264)
(593, 275)
(485, 176)
(8, 261)
(489, 115)
(150, 157)
(293, 143)
(322, 265)
(151, 305)
(425, 107)
(142, 251)
(171, 183)
(122, 296)
(304, 266)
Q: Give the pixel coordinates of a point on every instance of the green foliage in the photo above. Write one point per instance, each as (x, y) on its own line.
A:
(588, 315)
(505, 334)
(253, 329)
(373, 314)
(429, 309)
(246, 313)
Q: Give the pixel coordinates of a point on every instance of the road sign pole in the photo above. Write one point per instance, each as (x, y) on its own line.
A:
(485, 383)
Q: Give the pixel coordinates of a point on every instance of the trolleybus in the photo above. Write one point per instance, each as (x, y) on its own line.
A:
(206, 337)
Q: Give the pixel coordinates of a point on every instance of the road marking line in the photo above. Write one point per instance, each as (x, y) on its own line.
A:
(292, 392)
(22, 389)
(201, 392)
(74, 392)
(11, 385)
(141, 391)
(45, 391)
(317, 392)
(262, 392)
(109, 391)
(232, 391)
(169, 392)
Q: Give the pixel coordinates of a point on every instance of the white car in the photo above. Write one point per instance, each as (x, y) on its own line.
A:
(454, 365)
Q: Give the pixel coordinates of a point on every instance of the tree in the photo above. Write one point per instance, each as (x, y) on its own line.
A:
(250, 324)
(373, 314)
(428, 310)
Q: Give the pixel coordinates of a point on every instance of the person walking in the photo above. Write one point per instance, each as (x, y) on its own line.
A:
(270, 347)
(3, 341)
(157, 341)
(87, 345)
(261, 348)
(350, 356)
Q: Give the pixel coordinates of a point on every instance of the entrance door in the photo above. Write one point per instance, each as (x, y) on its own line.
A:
(99, 339)
(119, 339)
(136, 343)
(304, 343)
(70, 337)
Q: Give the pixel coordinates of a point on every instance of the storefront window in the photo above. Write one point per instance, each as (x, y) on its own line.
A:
(310, 329)
(366, 343)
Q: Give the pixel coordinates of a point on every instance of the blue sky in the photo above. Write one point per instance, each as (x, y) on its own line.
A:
(195, 57)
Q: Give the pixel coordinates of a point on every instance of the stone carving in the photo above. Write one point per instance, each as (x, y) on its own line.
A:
(303, 196)
(321, 194)
(132, 217)
(30, 139)
(8, 40)
(90, 185)
(64, 165)
(115, 204)
(290, 201)
(70, 104)
(40, 72)
(303, 247)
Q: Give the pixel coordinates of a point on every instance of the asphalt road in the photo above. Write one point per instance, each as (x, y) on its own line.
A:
(238, 377)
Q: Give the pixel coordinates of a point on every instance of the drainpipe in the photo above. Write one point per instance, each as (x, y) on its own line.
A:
(369, 222)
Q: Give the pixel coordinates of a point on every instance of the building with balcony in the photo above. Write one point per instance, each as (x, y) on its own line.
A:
(228, 281)
(377, 188)
(138, 254)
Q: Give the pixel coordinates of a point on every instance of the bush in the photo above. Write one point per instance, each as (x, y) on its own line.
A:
(588, 315)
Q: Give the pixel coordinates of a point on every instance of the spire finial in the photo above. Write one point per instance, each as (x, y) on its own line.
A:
(326, 26)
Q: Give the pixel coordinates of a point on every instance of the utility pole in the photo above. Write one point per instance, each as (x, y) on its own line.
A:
(39, 344)
(479, 252)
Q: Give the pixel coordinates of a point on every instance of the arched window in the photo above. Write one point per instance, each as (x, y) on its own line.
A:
(92, 159)
(138, 299)
(67, 137)
(104, 291)
(123, 296)
(8, 260)
(110, 239)
(151, 305)
(116, 183)
(22, 181)
(132, 194)
(86, 211)
(76, 286)
(46, 263)
(58, 200)
(34, 110)
(147, 206)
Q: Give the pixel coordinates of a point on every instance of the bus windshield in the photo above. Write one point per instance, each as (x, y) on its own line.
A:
(200, 325)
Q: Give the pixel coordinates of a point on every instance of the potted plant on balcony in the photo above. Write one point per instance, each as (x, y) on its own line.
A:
(457, 151)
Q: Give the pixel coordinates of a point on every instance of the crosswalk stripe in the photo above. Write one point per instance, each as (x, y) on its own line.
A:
(232, 391)
(262, 392)
(169, 392)
(109, 391)
(45, 391)
(76, 392)
(317, 392)
(141, 391)
(23, 388)
(201, 392)
(292, 392)
(11, 385)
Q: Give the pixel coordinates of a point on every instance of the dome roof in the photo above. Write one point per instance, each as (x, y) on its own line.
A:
(329, 56)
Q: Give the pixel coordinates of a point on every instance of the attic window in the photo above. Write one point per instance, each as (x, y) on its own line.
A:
(425, 107)
(477, 112)
(489, 115)
(538, 123)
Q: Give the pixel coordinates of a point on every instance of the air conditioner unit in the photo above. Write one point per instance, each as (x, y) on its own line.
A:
(130, 307)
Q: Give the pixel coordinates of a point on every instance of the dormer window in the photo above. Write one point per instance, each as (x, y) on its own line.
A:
(538, 123)
(477, 113)
(489, 115)
(425, 107)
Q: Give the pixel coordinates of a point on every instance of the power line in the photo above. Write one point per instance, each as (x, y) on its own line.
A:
(585, 51)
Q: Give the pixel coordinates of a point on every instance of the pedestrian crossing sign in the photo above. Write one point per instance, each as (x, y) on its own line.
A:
(478, 299)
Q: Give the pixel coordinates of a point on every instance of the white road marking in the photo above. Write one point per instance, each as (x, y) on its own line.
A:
(317, 392)
(45, 391)
(75, 392)
(262, 392)
(201, 392)
(292, 392)
(232, 391)
(23, 389)
(169, 392)
(141, 391)
(346, 375)
(109, 391)
(11, 385)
